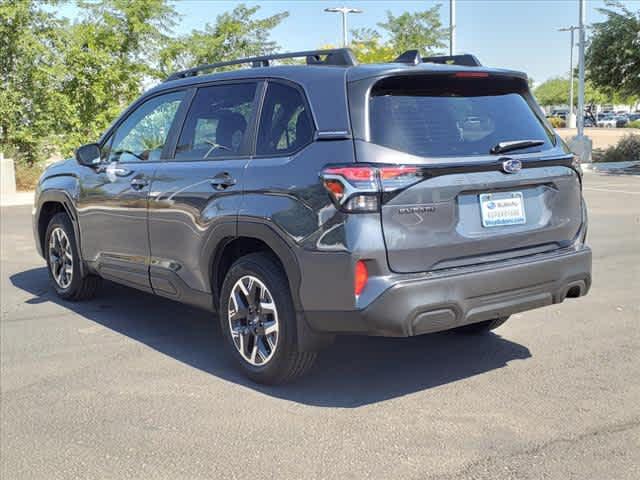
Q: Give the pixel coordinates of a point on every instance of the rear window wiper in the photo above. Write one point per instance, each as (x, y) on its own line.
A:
(503, 147)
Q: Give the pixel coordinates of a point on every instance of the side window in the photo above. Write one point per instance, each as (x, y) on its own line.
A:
(285, 123)
(217, 122)
(142, 135)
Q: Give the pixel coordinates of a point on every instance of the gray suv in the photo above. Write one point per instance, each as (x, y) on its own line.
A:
(301, 201)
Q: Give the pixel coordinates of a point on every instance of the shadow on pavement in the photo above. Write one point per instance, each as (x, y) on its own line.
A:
(354, 371)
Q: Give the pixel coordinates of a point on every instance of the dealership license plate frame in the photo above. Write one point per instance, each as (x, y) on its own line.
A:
(502, 209)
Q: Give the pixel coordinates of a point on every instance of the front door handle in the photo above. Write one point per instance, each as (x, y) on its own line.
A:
(139, 183)
(222, 181)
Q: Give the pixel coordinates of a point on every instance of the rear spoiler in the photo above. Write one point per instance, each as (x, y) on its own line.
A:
(413, 57)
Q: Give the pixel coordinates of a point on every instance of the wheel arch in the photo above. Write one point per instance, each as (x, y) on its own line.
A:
(49, 204)
(251, 237)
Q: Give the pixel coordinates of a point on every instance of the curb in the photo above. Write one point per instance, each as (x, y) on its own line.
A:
(16, 199)
(613, 168)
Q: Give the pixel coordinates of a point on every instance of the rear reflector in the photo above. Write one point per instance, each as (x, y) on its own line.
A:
(361, 277)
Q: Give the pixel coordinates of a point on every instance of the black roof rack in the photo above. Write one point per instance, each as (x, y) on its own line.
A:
(411, 57)
(336, 56)
(465, 60)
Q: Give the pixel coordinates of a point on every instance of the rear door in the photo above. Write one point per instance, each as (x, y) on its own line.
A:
(459, 204)
(196, 194)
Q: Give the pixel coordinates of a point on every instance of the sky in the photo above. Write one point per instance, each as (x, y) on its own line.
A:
(518, 34)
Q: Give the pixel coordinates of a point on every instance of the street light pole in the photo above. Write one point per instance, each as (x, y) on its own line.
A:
(571, 120)
(452, 27)
(581, 145)
(581, 39)
(344, 11)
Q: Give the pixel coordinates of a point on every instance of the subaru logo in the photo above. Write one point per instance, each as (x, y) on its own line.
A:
(511, 166)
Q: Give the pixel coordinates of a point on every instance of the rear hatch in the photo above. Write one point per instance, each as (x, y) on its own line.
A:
(464, 197)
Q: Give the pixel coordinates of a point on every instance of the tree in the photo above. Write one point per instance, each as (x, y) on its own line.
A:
(235, 34)
(613, 55)
(555, 91)
(112, 51)
(420, 30)
(30, 72)
(368, 47)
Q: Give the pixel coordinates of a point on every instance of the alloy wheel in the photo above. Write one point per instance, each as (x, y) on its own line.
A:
(60, 258)
(253, 320)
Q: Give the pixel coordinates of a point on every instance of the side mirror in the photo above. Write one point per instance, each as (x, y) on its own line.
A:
(88, 155)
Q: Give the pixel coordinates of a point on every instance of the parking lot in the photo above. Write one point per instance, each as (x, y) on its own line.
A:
(133, 386)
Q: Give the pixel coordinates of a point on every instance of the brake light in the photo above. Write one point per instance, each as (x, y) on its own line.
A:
(352, 188)
(358, 188)
(471, 75)
(356, 174)
(387, 173)
(360, 278)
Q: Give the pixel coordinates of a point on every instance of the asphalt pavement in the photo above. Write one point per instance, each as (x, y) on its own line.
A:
(133, 386)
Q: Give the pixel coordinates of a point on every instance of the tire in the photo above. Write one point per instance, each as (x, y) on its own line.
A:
(481, 328)
(70, 286)
(274, 357)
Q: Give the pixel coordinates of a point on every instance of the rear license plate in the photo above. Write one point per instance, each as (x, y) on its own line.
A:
(500, 209)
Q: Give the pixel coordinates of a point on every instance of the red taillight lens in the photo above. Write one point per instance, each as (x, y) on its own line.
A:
(352, 188)
(388, 173)
(353, 174)
(361, 277)
(335, 187)
(358, 188)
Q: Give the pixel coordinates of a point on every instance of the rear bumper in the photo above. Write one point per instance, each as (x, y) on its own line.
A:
(442, 301)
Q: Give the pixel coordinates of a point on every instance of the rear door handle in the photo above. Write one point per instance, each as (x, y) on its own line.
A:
(222, 181)
(139, 183)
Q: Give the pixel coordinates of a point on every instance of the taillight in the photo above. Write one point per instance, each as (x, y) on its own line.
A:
(360, 278)
(470, 75)
(358, 188)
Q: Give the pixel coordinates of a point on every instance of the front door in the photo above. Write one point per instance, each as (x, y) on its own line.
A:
(195, 196)
(113, 197)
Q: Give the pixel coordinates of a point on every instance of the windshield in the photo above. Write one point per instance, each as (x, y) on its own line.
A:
(448, 116)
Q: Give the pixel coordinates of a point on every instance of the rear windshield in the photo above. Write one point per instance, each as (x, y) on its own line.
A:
(445, 116)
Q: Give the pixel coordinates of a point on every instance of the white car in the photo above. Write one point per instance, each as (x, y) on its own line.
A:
(607, 122)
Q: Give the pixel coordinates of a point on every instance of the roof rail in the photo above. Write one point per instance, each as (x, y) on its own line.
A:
(335, 56)
(465, 60)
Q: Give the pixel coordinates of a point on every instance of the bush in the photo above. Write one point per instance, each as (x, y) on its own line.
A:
(557, 122)
(27, 175)
(634, 124)
(627, 149)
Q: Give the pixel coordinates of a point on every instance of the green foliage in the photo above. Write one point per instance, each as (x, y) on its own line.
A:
(235, 34)
(634, 124)
(613, 55)
(555, 91)
(420, 30)
(557, 122)
(30, 71)
(63, 83)
(368, 47)
(111, 51)
(627, 149)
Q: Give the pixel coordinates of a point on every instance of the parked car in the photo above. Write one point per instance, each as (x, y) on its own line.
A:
(621, 120)
(563, 114)
(300, 202)
(607, 121)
